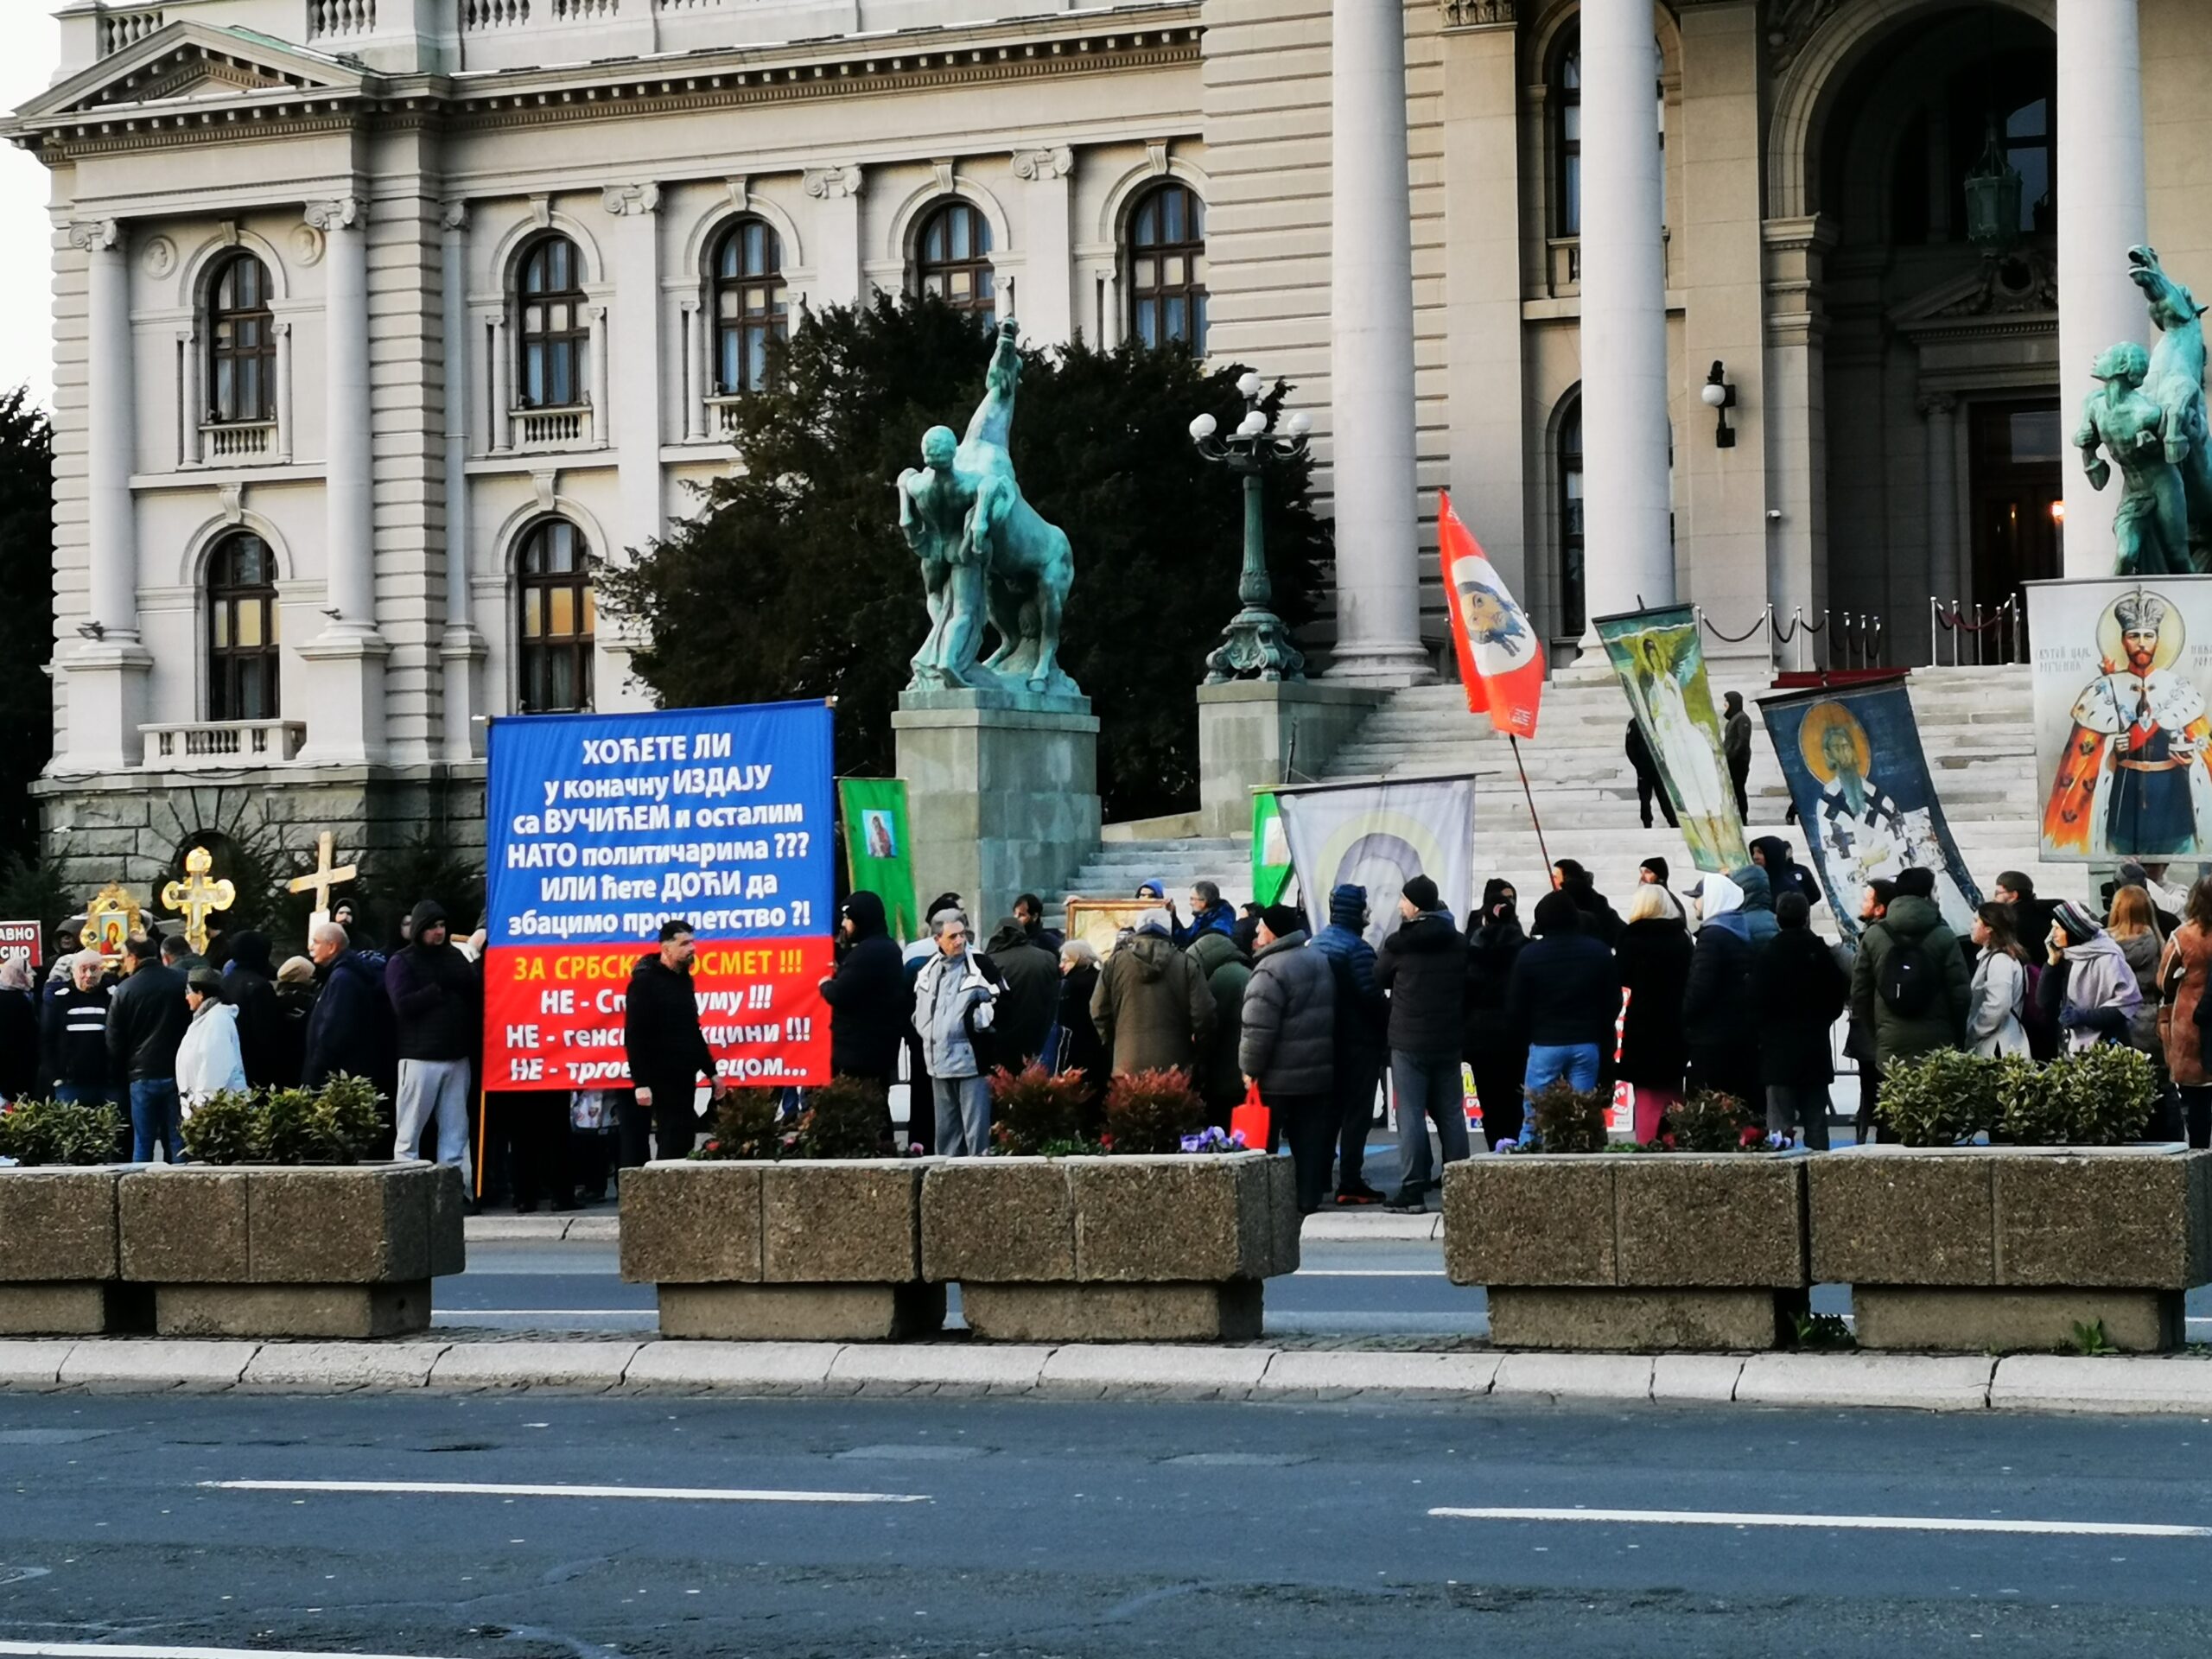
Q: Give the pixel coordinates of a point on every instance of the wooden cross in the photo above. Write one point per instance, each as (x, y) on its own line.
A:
(321, 879)
(197, 895)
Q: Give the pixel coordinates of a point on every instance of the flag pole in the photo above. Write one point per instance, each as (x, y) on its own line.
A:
(1530, 796)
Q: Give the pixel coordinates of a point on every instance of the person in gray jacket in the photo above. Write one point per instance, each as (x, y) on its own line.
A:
(1288, 1046)
(954, 1002)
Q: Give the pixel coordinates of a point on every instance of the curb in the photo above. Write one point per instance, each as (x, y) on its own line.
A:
(2026, 1383)
(1328, 1227)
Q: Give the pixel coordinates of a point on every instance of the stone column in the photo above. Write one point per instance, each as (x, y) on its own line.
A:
(835, 252)
(1048, 308)
(283, 334)
(462, 649)
(1371, 350)
(634, 258)
(345, 715)
(1631, 558)
(107, 667)
(1945, 577)
(2101, 190)
(696, 326)
(190, 395)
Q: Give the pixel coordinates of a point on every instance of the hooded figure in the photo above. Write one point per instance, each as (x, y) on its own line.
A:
(1719, 1023)
(1031, 998)
(250, 986)
(1756, 906)
(1910, 1023)
(1783, 873)
(867, 996)
(1496, 1053)
(1228, 971)
(437, 999)
(1361, 1020)
(2089, 988)
(1152, 1007)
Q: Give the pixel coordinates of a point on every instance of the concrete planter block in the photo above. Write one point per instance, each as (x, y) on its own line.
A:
(1158, 1220)
(803, 1251)
(1649, 1253)
(693, 1223)
(315, 1251)
(1230, 1312)
(998, 1221)
(58, 1225)
(2023, 1242)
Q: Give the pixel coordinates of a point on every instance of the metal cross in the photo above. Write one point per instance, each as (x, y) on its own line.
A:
(196, 896)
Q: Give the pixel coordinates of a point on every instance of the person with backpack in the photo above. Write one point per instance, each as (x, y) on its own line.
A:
(2088, 985)
(1910, 985)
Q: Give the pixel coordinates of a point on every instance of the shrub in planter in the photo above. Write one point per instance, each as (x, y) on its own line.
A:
(1711, 1122)
(846, 1118)
(1148, 1113)
(1034, 1110)
(748, 1127)
(337, 1124)
(59, 1132)
(2102, 1097)
(1943, 1098)
(1567, 1119)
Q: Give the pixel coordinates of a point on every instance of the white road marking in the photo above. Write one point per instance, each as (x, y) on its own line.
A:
(1368, 1273)
(1843, 1523)
(483, 1489)
(132, 1650)
(449, 1314)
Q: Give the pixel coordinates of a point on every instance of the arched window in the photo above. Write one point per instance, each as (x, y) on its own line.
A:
(241, 343)
(1167, 268)
(554, 368)
(750, 310)
(1572, 610)
(553, 587)
(242, 630)
(1566, 139)
(952, 259)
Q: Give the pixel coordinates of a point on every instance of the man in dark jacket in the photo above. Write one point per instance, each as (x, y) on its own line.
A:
(1736, 745)
(349, 1031)
(667, 1051)
(1152, 1008)
(74, 1047)
(1362, 1019)
(146, 1020)
(1800, 991)
(867, 996)
(1935, 1017)
(1495, 1052)
(1023, 1024)
(250, 986)
(436, 994)
(1423, 966)
(1209, 912)
(1599, 917)
(1649, 784)
(1228, 971)
(1029, 911)
(1784, 874)
(1565, 995)
(1288, 1046)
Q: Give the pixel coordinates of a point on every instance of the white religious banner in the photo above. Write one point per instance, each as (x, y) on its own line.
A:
(1379, 836)
(2122, 668)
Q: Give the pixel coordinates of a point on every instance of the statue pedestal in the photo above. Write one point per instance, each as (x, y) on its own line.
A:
(1250, 731)
(1003, 791)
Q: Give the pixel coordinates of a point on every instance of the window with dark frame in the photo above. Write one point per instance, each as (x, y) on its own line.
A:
(1571, 607)
(1566, 139)
(952, 259)
(555, 621)
(750, 306)
(241, 344)
(1167, 268)
(242, 627)
(554, 339)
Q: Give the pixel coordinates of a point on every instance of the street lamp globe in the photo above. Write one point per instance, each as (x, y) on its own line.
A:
(1204, 428)
(1248, 384)
(1299, 425)
(1252, 425)
(1714, 394)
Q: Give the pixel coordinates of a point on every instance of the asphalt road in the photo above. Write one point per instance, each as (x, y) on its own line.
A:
(1087, 1530)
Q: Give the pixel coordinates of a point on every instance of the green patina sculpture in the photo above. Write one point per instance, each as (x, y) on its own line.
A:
(2153, 521)
(986, 553)
(2149, 416)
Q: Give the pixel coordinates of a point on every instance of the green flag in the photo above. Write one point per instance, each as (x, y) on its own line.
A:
(1271, 866)
(877, 852)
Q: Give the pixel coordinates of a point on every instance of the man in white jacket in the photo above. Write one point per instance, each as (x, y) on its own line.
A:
(208, 1060)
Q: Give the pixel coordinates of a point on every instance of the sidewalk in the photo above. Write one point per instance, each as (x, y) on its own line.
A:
(1374, 1374)
(1328, 1227)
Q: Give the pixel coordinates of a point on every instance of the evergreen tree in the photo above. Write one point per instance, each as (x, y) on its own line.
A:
(26, 614)
(792, 580)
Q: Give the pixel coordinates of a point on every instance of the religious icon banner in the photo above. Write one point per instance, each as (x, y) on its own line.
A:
(879, 855)
(601, 827)
(1661, 664)
(1860, 780)
(2123, 737)
(1379, 836)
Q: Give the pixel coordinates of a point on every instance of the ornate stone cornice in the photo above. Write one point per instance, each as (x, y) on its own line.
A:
(1043, 166)
(834, 183)
(630, 200)
(1481, 14)
(340, 213)
(453, 215)
(96, 235)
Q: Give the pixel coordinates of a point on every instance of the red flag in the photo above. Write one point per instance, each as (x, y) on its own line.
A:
(1500, 661)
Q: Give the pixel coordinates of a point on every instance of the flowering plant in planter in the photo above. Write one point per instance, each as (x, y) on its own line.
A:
(1567, 1119)
(1034, 1109)
(1148, 1113)
(1709, 1120)
(1213, 1138)
(58, 1132)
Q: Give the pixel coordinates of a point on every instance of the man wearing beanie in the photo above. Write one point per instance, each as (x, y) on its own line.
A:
(1424, 968)
(1910, 986)
(1288, 1045)
(1362, 1013)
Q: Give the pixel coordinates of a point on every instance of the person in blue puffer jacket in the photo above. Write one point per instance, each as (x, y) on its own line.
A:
(1363, 1013)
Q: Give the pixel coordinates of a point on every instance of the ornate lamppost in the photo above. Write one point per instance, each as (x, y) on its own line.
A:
(1256, 646)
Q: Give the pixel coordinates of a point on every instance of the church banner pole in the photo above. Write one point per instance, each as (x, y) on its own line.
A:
(1530, 796)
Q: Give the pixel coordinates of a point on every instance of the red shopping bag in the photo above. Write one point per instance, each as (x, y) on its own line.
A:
(1251, 1119)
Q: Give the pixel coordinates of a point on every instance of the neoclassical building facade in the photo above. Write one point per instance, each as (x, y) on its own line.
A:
(380, 322)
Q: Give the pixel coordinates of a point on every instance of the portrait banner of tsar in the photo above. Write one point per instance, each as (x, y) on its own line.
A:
(1659, 662)
(1864, 797)
(2123, 738)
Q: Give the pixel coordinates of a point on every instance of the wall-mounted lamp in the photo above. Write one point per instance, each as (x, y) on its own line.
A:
(1720, 397)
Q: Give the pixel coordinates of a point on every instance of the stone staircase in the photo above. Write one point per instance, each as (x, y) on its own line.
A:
(1975, 724)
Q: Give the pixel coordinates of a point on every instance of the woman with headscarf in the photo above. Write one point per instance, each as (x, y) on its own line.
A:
(1718, 1021)
(2088, 985)
(1654, 954)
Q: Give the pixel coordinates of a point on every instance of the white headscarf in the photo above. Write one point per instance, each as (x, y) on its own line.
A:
(1717, 897)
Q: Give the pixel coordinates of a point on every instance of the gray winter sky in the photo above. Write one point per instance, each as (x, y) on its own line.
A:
(29, 46)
